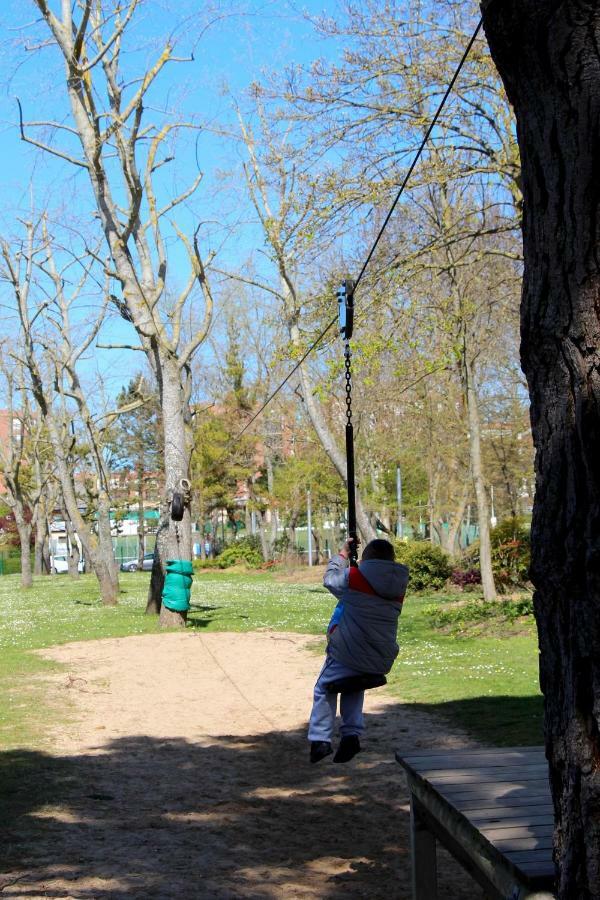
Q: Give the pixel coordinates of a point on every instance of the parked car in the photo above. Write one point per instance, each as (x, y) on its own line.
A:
(132, 564)
(60, 564)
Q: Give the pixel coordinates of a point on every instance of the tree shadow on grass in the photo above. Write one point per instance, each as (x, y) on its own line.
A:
(236, 816)
(195, 621)
(504, 721)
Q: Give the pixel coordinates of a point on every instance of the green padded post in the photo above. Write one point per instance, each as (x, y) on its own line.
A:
(178, 585)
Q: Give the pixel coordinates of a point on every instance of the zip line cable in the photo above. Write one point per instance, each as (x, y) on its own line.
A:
(286, 379)
(417, 156)
(411, 169)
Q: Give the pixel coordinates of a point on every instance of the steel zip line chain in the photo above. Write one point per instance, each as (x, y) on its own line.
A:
(352, 532)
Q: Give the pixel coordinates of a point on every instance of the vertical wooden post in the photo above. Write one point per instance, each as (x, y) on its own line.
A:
(423, 855)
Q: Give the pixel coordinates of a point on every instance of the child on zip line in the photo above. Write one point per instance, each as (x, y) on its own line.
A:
(361, 644)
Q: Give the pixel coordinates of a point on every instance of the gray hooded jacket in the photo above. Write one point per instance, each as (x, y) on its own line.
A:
(362, 631)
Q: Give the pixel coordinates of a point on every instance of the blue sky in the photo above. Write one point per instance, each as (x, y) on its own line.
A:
(232, 47)
(232, 44)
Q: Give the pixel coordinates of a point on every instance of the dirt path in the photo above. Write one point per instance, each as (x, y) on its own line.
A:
(183, 774)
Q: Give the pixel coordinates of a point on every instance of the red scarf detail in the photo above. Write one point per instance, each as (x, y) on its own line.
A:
(358, 582)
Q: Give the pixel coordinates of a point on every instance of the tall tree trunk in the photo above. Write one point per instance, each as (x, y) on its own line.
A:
(141, 529)
(41, 524)
(294, 514)
(457, 520)
(109, 585)
(274, 516)
(73, 547)
(46, 562)
(262, 531)
(483, 513)
(547, 54)
(434, 483)
(105, 534)
(24, 530)
(38, 547)
(176, 537)
(157, 578)
(317, 541)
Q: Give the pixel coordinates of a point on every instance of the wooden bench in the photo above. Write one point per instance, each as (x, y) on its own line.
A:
(492, 811)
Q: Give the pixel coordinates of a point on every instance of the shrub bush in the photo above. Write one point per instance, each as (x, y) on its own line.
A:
(282, 545)
(465, 578)
(429, 566)
(511, 554)
(209, 563)
(243, 551)
(461, 617)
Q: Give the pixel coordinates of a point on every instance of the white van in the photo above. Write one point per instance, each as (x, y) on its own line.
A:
(59, 564)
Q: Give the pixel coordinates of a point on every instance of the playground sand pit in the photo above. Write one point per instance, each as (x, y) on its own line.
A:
(183, 772)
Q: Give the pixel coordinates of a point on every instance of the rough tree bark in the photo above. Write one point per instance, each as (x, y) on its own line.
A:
(547, 54)
(47, 489)
(176, 537)
(41, 534)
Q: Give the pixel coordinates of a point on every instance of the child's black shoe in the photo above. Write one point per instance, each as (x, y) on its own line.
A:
(349, 747)
(319, 750)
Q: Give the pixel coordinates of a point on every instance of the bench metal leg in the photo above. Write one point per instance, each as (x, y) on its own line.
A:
(423, 855)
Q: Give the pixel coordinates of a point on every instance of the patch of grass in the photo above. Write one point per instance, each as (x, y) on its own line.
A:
(463, 617)
(248, 602)
(486, 684)
(463, 678)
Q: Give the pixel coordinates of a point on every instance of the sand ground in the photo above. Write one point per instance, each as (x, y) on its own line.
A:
(182, 772)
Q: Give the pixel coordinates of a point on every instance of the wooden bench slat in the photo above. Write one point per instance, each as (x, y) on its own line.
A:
(490, 818)
(499, 788)
(531, 859)
(539, 791)
(505, 832)
(497, 758)
(471, 803)
(461, 776)
(535, 841)
(492, 773)
(543, 874)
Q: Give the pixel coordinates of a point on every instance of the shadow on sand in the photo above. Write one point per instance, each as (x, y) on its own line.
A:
(227, 817)
(234, 817)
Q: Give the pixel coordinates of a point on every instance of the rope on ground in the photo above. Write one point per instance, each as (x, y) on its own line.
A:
(236, 686)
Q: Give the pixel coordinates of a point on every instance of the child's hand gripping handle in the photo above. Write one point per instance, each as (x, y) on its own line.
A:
(350, 549)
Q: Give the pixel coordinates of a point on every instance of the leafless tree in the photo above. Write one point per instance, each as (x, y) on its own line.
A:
(121, 153)
(49, 351)
(286, 207)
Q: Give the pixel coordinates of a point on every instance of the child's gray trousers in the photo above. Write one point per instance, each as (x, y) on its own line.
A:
(322, 717)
